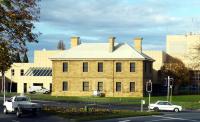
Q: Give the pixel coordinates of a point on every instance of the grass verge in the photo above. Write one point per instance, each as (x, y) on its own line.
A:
(94, 114)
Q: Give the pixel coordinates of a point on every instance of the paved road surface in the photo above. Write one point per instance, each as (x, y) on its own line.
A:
(167, 117)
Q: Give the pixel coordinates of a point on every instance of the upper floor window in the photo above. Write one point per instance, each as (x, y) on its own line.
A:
(118, 67)
(85, 86)
(118, 86)
(100, 67)
(65, 67)
(132, 86)
(150, 67)
(12, 72)
(85, 66)
(65, 86)
(145, 67)
(132, 67)
(22, 72)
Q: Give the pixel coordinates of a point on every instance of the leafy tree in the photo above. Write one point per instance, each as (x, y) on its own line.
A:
(5, 60)
(176, 69)
(17, 58)
(195, 56)
(61, 45)
(25, 58)
(16, 25)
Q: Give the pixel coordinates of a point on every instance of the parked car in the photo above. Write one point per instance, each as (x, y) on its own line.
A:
(21, 105)
(38, 89)
(98, 93)
(165, 106)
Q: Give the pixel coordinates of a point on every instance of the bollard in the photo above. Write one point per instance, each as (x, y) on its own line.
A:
(86, 108)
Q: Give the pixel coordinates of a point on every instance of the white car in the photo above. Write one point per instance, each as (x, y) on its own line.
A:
(20, 105)
(165, 106)
(38, 89)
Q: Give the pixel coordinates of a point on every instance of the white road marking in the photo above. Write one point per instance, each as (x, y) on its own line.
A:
(125, 121)
(170, 118)
(15, 121)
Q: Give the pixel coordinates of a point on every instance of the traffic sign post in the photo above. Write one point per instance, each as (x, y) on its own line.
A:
(169, 86)
(149, 90)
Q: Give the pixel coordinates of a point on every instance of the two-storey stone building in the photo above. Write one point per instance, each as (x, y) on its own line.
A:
(116, 69)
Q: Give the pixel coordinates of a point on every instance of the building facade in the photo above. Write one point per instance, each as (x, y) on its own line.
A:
(184, 47)
(21, 76)
(116, 69)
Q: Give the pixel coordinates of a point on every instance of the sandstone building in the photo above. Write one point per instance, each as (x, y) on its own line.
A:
(116, 69)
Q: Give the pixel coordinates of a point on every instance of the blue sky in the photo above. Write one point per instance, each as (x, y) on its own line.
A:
(96, 20)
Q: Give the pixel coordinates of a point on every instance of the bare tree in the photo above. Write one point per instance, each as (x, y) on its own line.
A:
(61, 45)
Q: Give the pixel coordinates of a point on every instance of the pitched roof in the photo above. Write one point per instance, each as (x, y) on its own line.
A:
(100, 51)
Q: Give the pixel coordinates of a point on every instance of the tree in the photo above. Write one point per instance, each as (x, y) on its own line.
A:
(5, 60)
(61, 45)
(17, 58)
(16, 25)
(25, 58)
(195, 56)
(176, 69)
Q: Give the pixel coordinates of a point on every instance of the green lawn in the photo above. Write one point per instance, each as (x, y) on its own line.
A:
(187, 101)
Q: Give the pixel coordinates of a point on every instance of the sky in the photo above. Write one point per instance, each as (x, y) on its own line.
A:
(97, 20)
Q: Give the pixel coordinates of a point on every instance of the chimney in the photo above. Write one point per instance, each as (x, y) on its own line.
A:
(75, 41)
(111, 44)
(138, 44)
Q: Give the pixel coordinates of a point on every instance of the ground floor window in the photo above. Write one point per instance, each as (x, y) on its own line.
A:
(38, 84)
(100, 86)
(25, 87)
(118, 86)
(65, 86)
(132, 86)
(85, 86)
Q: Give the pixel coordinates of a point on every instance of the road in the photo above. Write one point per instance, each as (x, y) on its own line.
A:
(41, 117)
(189, 116)
(167, 117)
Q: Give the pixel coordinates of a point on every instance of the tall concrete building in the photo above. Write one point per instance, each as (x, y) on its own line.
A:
(183, 48)
(116, 69)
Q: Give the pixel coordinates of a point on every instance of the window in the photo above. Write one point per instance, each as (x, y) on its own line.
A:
(132, 86)
(65, 86)
(118, 86)
(65, 67)
(118, 67)
(22, 72)
(85, 66)
(100, 86)
(12, 72)
(132, 67)
(150, 67)
(38, 84)
(85, 86)
(145, 67)
(100, 67)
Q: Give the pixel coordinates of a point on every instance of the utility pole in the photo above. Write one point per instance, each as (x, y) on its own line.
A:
(149, 90)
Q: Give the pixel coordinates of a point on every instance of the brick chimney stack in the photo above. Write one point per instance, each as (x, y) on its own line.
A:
(138, 44)
(75, 41)
(111, 44)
